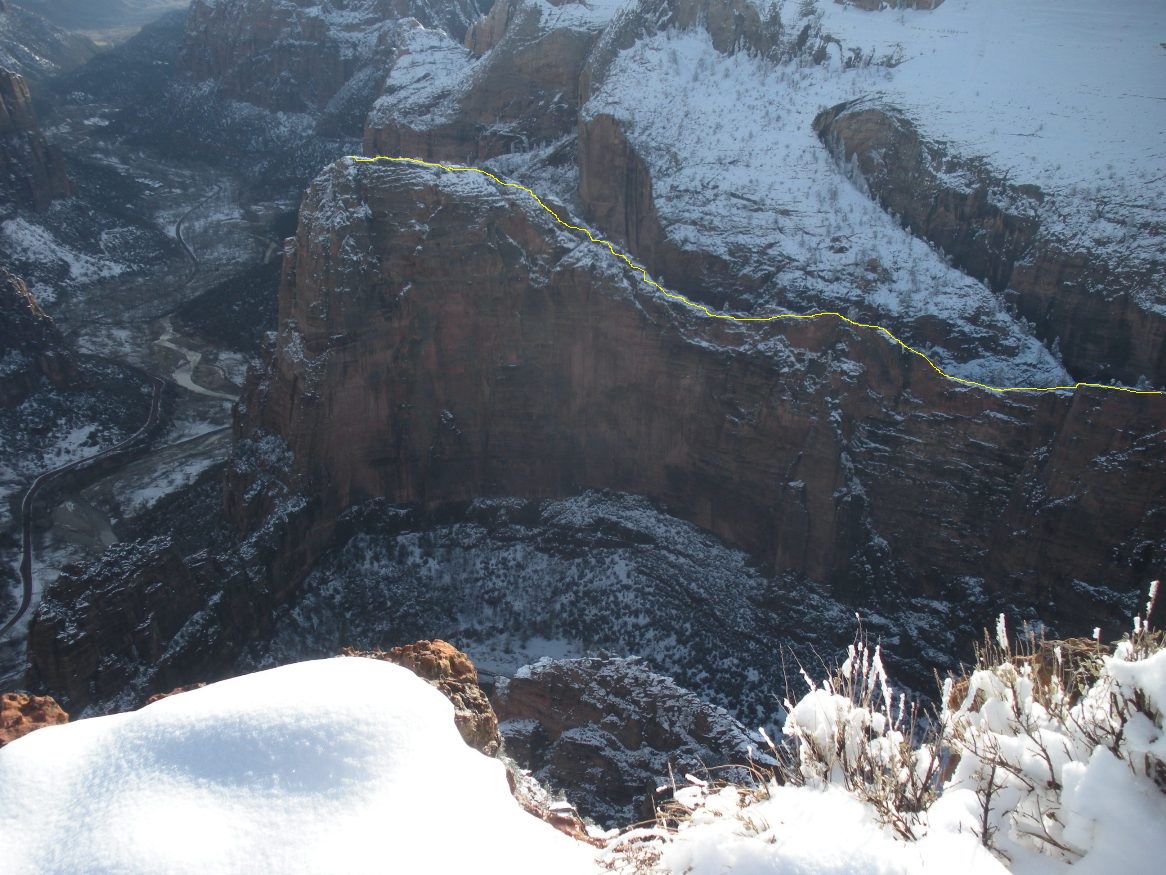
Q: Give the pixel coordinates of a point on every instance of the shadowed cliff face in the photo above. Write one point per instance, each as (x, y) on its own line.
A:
(440, 339)
(32, 173)
(993, 231)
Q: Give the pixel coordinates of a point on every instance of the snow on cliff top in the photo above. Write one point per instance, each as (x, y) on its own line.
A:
(1056, 92)
(339, 765)
(738, 171)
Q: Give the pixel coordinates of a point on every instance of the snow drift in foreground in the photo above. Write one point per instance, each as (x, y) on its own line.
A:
(338, 765)
(355, 765)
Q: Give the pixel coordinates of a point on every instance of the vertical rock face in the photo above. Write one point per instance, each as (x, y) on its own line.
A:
(136, 599)
(32, 173)
(441, 339)
(296, 55)
(30, 345)
(615, 190)
(994, 232)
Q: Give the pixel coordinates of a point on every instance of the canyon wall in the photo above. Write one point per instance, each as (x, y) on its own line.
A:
(515, 84)
(37, 49)
(296, 55)
(441, 340)
(32, 172)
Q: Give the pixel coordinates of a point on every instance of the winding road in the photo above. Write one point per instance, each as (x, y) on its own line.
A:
(182, 375)
(47, 477)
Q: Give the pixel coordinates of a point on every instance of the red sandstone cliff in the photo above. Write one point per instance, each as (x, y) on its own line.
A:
(994, 232)
(442, 340)
(515, 84)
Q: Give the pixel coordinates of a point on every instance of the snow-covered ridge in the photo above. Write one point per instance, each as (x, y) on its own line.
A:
(1066, 95)
(427, 76)
(1062, 94)
(434, 75)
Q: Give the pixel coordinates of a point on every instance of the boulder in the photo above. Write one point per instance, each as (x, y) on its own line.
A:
(21, 713)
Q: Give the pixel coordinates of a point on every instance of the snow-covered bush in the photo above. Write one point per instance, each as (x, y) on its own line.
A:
(1047, 752)
(852, 731)
(1039, 726)
(1032, 752)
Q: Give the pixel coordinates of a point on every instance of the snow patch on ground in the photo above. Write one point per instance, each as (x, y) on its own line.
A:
(1063, 94)
(1058, 93)
(426, 75)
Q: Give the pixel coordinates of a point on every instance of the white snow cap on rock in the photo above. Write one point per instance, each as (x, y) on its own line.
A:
(337, 765)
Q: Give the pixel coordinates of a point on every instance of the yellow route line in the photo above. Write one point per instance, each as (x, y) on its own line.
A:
(683, 300)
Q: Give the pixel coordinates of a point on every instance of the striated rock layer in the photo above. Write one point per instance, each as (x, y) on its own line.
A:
(441, 339)
(32, 173)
